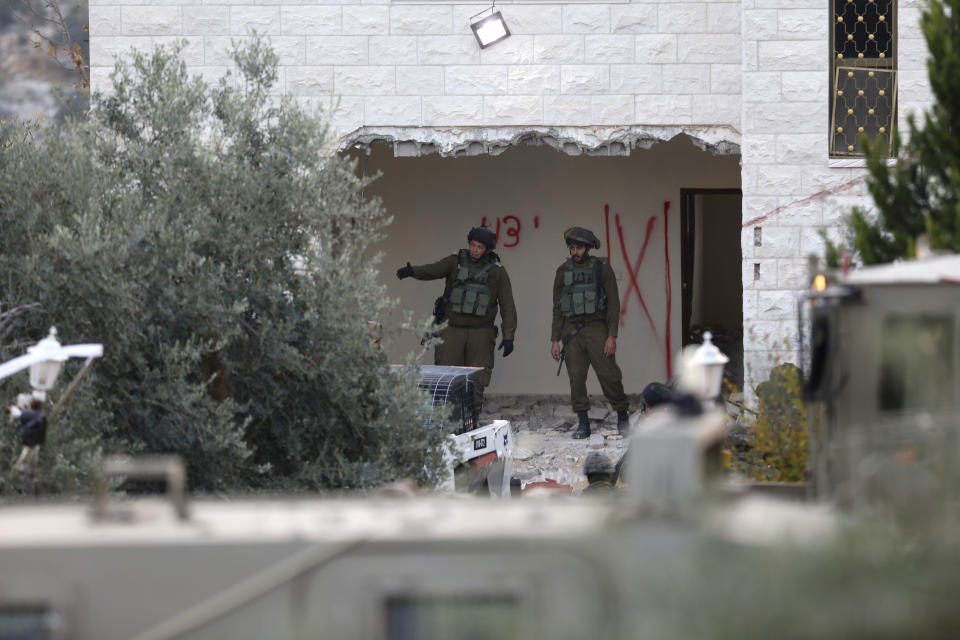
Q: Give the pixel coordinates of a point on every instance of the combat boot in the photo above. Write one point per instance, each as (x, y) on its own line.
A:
(583, 428)
(623, 423)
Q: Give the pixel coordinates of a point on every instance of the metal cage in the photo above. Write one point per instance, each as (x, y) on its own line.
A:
(454, 386)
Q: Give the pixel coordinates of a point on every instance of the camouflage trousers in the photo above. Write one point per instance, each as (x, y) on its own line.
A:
(585, 350)
(468, 347)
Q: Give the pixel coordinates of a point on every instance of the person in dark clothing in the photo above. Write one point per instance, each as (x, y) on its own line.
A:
(476, 287)
(586, 317)
(31, 429)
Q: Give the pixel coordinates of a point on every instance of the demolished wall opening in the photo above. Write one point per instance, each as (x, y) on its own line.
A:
(529, 195)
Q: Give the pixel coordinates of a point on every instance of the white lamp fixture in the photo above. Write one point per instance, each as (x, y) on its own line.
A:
(50, 357)
(489, 27)
(707, 367)
(44, 360)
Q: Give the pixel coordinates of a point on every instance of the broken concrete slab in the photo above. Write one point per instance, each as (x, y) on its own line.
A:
(584, 140)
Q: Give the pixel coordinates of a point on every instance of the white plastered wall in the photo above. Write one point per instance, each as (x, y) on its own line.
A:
(539, 192)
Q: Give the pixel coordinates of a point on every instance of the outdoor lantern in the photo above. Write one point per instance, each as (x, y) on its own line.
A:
(707, 369)
(490, 28)
(45, 358)
(49, 358)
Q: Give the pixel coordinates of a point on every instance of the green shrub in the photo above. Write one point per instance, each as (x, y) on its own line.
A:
(776, 439)
(207, 237)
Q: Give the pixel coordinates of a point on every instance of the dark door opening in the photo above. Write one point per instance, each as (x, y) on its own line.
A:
(711, 272)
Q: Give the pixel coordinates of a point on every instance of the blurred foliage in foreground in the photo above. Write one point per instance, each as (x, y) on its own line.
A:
(774, 445)
(209, 240)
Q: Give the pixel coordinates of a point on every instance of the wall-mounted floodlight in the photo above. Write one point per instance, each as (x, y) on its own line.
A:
(489, 27)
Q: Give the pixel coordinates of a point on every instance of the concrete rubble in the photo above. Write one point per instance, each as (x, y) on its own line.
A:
(543, 447)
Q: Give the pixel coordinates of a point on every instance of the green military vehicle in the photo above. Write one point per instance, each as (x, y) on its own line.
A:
(882, 374)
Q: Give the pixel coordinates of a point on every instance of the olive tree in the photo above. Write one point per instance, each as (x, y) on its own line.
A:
(209, 239)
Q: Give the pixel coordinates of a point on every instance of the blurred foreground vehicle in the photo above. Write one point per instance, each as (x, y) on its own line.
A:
(883, 380)
(681, 552)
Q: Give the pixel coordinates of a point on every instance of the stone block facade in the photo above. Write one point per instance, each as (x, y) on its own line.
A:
(564, 65)
(748, 77)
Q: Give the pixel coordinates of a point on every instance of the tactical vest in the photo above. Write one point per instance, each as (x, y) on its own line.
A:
(583, 288)
(470, 292)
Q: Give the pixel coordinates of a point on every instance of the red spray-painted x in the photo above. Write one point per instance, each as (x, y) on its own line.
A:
(634, 269)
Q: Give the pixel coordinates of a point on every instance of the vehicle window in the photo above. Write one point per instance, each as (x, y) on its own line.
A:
(25, 623)
(917, 362)
(481, 618)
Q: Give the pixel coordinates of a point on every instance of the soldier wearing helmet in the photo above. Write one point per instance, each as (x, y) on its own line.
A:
(600, 474)
(476, 286)
(586, 317)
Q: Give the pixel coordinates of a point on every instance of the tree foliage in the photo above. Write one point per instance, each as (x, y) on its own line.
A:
(919, 194)
(207, 237)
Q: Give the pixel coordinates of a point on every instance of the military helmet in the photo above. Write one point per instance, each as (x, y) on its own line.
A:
(655, 394)
(484, 236)
(597, 464)
(581, 236)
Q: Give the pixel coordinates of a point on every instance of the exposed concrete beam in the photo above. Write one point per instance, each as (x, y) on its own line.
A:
(591, 141)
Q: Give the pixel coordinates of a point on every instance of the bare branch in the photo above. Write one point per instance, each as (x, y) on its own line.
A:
(60, 46)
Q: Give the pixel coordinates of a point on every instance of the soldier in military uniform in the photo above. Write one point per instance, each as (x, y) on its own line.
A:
(475, 286)
(586, 317)
(599, 471)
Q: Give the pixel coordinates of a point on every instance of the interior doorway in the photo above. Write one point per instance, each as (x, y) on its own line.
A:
(711, 272)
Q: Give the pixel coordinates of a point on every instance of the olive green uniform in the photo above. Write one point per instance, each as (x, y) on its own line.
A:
(469, 339)
(585, 349)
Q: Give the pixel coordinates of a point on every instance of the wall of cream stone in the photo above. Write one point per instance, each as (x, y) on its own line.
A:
(418, 64)
(790, 189)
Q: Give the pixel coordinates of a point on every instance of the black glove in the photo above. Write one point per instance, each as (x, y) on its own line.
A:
(404, 272)
(507, 346)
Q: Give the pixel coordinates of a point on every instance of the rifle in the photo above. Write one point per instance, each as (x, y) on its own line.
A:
(439, 311)
(564, 341)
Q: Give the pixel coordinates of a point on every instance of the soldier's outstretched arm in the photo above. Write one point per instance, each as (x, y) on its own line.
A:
(435, 270)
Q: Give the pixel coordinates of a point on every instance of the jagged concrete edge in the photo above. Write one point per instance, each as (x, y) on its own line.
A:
(591, 141)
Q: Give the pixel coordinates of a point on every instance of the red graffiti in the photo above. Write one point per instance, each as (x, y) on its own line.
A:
(536, 222)
(512, 228)
(669, 285)
(512, 231)
(634, 269)
(632, 272)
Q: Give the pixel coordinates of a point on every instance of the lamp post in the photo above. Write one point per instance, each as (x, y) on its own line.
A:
(44, 360)
(706, 371)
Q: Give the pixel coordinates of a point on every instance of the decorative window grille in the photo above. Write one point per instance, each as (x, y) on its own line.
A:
(863, 73)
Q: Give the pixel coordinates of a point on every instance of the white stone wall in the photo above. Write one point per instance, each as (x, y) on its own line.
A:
(789, 187)
(418, 65)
